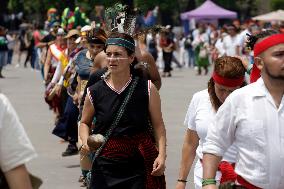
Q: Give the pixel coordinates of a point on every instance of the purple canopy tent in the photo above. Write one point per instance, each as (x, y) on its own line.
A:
(208, 10)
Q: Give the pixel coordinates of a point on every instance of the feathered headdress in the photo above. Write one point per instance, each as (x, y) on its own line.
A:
(120, 18)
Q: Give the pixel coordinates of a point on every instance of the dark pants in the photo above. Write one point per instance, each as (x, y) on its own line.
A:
(30, 57)
(66, 126)
(118, 174)
(167, 56)
(10, 56)
(154, 53)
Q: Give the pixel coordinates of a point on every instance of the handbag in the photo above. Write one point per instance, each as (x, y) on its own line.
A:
(35, 181)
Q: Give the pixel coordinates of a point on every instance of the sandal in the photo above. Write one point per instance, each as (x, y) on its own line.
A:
(84, 183)
(81, 178)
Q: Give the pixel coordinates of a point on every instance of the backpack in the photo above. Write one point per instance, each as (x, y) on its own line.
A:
(3, 43)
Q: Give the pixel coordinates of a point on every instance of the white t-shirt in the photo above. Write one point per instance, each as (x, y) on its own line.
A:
(11, 42)
(243, 37)
(15, 146)
(230, 45)
(220, 47)
(199, 117)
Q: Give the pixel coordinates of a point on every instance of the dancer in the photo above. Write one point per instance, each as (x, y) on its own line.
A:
(228, 75)
(252, 118)
(130, 152)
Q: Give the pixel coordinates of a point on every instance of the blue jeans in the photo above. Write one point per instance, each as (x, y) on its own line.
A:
(10, 56)
(3, 58)
(191, 57)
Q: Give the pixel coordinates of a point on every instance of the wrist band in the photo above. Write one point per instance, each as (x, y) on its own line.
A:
(80, 148)
(181, 180)
(206, 182)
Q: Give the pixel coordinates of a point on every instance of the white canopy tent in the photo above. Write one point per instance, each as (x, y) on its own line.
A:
(272, 16)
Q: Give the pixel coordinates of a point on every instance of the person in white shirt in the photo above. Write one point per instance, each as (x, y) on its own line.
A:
(219, 43)
(16, 149)
(228, 75)
(11, 38)
(253, 118)
(231, 43)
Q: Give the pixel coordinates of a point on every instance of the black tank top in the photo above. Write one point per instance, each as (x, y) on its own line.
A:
(106, 102)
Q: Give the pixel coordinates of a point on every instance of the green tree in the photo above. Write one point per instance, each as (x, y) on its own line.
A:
(167, 8)
(36, 9)
(15, 5)
(277, 4)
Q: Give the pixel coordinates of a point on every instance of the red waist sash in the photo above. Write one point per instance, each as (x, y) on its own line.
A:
(124, 146)
(245, 183)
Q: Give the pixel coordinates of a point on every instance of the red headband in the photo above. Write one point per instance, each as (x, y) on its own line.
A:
(267, 43)
(226, 81)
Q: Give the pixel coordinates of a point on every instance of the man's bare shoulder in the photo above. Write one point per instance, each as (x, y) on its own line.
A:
(146, 56)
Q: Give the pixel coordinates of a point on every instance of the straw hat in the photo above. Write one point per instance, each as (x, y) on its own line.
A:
(72, 33)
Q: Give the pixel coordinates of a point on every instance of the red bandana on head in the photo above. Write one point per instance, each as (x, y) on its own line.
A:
(226, 81)
(261, 47)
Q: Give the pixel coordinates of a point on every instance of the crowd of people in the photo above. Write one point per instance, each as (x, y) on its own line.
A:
(105, 84)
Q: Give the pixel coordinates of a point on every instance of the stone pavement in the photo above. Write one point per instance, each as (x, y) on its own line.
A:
(25, 89)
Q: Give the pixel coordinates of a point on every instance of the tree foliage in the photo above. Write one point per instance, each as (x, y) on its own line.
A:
(169, 9)
(277, 4)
